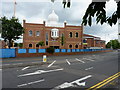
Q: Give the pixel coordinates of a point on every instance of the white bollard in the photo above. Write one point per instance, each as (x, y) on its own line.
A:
(44, 58)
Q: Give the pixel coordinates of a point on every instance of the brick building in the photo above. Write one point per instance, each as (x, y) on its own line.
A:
(66, 37)
(90, 41)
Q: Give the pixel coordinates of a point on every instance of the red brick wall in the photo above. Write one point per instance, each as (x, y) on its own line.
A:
(44, 29)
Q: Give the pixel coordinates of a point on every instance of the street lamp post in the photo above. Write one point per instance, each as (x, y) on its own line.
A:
(111, 44)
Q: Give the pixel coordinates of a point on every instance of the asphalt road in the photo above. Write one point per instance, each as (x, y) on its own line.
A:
(74, 71)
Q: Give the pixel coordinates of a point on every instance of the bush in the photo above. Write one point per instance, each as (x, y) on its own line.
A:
(50, 50)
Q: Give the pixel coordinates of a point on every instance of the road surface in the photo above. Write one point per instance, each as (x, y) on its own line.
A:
(87, 71)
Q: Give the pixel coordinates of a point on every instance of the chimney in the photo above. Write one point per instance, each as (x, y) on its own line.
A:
(24, 21)
(44, 23)
(65, 23)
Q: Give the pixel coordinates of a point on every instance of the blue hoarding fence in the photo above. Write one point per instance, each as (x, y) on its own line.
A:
(22, 51)
(41, 50)
(32, 51)
(7, 53)
(57, 50)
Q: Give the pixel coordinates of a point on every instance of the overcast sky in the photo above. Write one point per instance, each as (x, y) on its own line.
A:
(35, 11)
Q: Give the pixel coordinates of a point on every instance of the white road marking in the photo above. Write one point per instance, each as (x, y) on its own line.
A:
(68, 62)
(89, 68)
(51, 63)
(0, 69)
(21, 85)
(31, 83)
(17, 64)
(6, 64)
(71, 84)
(89, 59)
(39, 72)
(79, 60)
(25, 68)
(35, 62)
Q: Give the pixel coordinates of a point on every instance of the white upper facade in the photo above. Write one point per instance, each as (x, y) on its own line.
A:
(53, 19)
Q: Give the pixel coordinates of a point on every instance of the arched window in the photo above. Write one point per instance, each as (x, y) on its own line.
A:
(70, 46)
(70, 34)
(30, 33)
(76, 34)
(76, 46)
(37, 45)
(37, 33)
(30, 45)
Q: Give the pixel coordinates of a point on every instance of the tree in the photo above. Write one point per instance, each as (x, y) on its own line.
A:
(114, 43)
(15, 44)
(50, 50)
(11, 29)
(41, 43)
(62, 40)
(20, 45)
(97, 9)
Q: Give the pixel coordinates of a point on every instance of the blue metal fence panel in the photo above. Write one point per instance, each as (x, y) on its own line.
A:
(31, 50)
(81, 50)
(90, 50)
(73, 50)
(57, 50)
(77, 50)
(7, 53)
(68, 50)
(63, 50)
(41, 50)
(22, 50)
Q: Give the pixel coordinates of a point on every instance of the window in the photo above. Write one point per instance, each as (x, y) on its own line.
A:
(30, 45)
(37, 33)
(62, 39)
(70, 46)
(85, 41)
(76, 46)
(70, 34)
(76, 34)
(37, 45)
(46, 38)
(30, 33)
(97, 42)
(52, 33)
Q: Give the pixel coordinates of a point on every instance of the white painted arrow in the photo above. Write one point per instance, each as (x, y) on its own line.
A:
(71, 84)
(40, 72)
(25, 68)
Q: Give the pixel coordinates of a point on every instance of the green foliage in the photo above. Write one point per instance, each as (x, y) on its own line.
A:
(15, 44)
(41, 43)
(114, 43)
(11, 29)
(108, 45)
(50, 50)
(62, 40)
(20, 45)
(97, 9)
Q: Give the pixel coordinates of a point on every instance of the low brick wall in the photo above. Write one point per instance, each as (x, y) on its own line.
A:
(18, 55)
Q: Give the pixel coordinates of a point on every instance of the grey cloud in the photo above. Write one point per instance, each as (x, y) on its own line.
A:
(73, 16)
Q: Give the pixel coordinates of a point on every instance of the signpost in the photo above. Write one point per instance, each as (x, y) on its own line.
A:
(44, 58)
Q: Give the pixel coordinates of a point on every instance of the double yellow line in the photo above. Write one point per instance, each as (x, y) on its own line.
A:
(104, 82)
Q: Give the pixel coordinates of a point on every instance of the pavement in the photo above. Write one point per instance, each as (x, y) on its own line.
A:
(87, 71)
